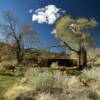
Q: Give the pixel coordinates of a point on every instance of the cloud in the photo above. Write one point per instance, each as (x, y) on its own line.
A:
(54, 31)
(30, 11)
(49, 14)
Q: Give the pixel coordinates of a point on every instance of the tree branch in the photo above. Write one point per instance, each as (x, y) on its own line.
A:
(13, 31)
(65, 45)
(53, 46)
(69, 47)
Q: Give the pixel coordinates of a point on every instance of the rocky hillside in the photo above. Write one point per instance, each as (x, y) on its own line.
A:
(7, 53)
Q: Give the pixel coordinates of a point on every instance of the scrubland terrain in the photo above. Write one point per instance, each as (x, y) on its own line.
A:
(48, 84)
(45, 84)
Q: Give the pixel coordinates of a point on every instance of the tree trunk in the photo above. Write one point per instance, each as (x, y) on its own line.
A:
(82, 58)
(19, 53)
(19, 58)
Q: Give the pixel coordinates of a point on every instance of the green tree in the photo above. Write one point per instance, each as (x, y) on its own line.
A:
(75, 34)
(16, 34)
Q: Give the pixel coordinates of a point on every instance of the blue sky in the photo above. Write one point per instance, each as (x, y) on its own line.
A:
(75, 8)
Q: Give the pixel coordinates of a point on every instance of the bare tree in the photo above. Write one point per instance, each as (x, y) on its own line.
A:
(75, 34)
(16, 34)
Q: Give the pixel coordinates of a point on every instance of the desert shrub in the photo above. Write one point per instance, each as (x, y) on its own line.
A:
(92, 79)
(20, 70)
(47, 79)
(89, 74)
(33, 72)
(39, 78)
(76, 95)
(54, 65)
(43, 84)
(61, 80)
(59, 94)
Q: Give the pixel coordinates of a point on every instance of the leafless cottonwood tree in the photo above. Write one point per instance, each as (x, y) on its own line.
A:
(75, 34)
(16, 33)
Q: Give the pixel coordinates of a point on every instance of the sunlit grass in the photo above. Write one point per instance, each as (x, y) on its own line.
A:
(5, 83)
(48, 79)
(91, 74)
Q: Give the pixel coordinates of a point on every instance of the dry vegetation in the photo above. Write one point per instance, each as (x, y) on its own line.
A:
(48, 84)
(38, 84)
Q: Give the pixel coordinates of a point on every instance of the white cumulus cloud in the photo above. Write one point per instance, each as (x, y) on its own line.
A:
(49, 14)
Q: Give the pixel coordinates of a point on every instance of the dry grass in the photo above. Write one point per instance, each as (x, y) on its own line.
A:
(45, 96)
(92, 74)
(16, 90)
(57, 85)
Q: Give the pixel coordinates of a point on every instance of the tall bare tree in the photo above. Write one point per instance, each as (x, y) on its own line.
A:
(75, 34)
(16, 34)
